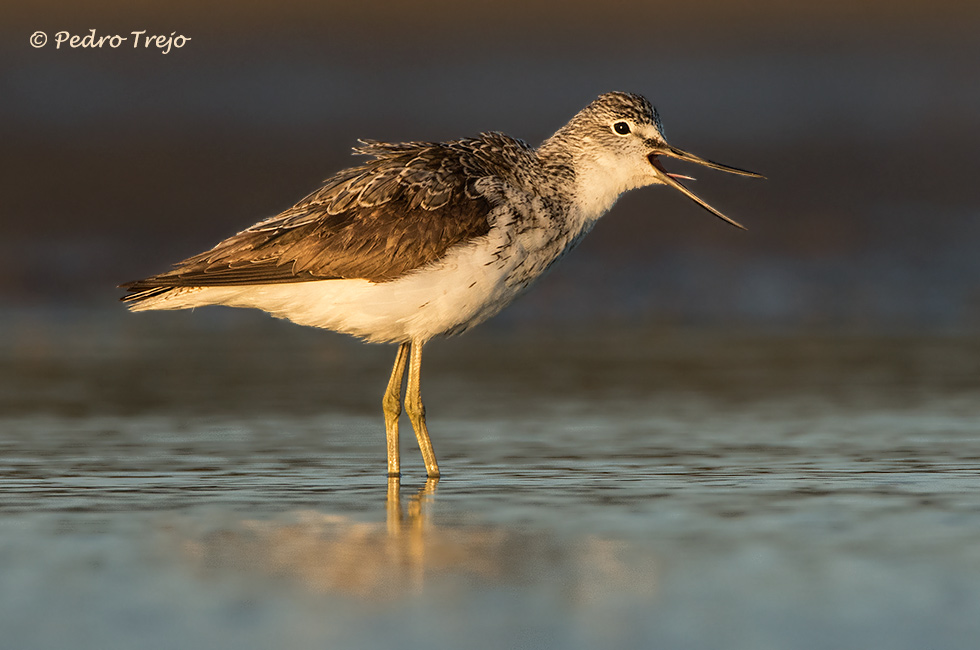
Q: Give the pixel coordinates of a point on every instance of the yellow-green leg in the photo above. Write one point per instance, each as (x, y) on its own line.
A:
(416, 410)
(392, 405)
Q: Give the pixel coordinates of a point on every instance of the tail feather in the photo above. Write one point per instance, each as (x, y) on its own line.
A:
(138, 293)
(144, 296)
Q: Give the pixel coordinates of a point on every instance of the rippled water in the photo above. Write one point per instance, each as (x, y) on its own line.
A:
(209, 481)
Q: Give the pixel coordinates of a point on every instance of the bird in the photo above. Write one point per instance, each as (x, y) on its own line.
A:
(429, 239)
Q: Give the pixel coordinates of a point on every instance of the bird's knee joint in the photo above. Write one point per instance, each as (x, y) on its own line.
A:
(391, 405)
(415, 410)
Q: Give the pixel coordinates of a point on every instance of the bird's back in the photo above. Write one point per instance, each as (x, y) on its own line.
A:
(401, 211)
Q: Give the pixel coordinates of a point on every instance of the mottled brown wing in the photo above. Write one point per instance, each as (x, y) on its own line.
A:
(399, 212)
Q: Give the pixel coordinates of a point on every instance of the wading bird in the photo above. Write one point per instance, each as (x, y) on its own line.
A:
(430, 239)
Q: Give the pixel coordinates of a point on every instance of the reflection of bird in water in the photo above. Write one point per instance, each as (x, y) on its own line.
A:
(401, 556)
(328, 553)
(429, 238)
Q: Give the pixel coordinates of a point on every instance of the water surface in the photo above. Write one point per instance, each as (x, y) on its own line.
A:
(194, 480)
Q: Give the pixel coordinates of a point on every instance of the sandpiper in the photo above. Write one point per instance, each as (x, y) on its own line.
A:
(430, 238)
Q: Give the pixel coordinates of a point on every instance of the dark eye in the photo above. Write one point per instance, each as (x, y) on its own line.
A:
(622, 128)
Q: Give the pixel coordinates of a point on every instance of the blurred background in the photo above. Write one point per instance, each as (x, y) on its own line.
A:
(863, 114)
(686, 436)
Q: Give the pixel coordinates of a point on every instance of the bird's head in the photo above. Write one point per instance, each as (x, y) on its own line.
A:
(620, 137)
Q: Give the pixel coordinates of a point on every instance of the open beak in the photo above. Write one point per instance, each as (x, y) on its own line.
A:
(671, 179)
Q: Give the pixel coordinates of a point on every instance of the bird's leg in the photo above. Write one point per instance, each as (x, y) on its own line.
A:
(392, 405)
(416, 411)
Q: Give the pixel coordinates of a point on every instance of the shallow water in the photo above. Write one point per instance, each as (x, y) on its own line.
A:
(201, 480)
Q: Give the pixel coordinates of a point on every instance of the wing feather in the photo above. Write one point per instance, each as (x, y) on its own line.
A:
(399, 212)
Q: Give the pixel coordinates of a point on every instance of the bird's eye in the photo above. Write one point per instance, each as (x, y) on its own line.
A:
(622, 128)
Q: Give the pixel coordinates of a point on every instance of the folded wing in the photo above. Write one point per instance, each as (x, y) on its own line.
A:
(401, 211)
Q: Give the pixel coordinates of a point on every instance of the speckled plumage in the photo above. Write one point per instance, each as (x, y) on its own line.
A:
(428, 238)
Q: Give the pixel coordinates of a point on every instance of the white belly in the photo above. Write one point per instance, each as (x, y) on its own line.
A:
(465, 288)
(470, 284)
